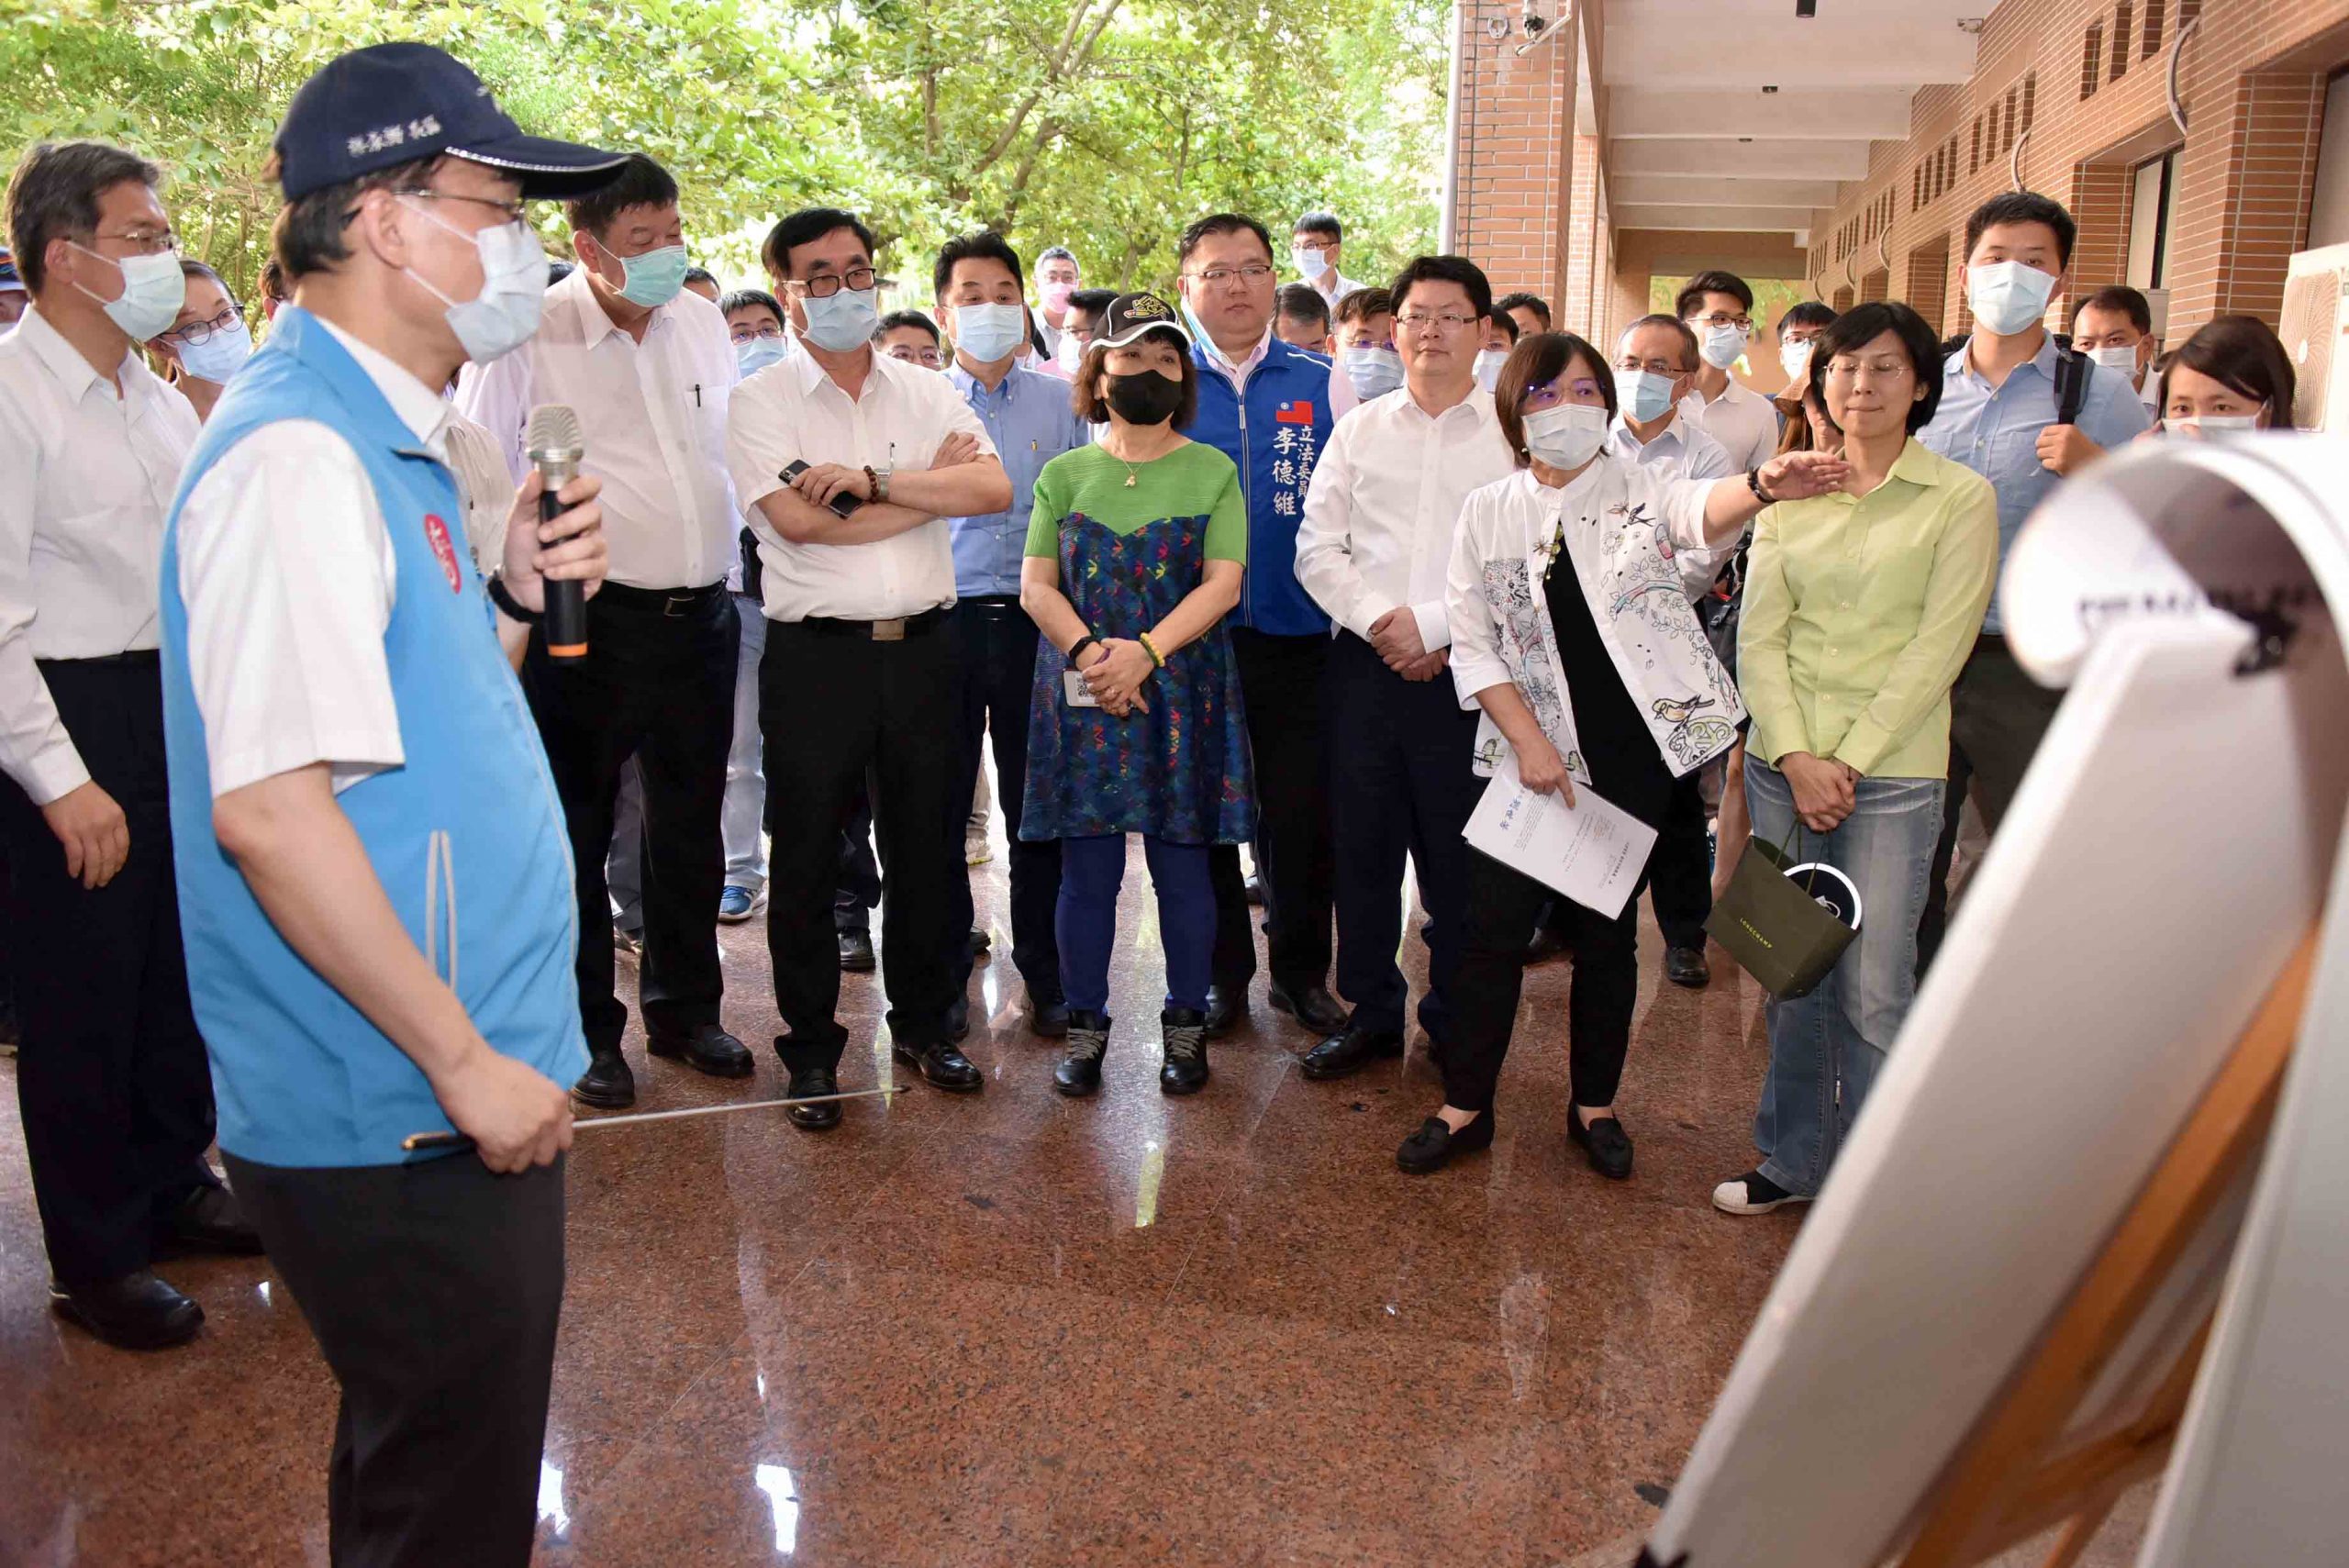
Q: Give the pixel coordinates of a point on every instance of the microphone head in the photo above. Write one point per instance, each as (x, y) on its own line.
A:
(554, 434)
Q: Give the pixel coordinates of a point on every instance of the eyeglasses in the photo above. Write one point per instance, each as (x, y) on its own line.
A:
(1444, 321)
(1653, 367)
(1316, 244)
(513, 210)
(1800, 336)
(1877, 370)
(1223, 277)
(929, 359)
(826, 284)
(748, 334)
(143, 241)
(1742, 323)
(195, 334)
(1550, 393)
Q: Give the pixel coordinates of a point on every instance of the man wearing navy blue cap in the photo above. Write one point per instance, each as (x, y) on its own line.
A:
(373, 866)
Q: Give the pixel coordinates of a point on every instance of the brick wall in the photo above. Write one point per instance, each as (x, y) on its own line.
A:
(1513, 154)
(2251, 79)
(1582, 237)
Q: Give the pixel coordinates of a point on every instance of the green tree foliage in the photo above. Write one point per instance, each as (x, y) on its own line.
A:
(1102, 125)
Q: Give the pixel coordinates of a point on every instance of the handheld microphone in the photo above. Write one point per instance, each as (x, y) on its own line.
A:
(556, 446)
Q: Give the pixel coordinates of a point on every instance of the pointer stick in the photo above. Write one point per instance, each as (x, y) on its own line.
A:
(417, 1142)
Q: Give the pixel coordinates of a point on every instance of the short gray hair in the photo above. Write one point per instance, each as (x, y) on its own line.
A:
(55, 191)
(1689, 346)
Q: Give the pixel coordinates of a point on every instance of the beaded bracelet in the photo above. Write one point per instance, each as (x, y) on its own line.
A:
(1156, 658)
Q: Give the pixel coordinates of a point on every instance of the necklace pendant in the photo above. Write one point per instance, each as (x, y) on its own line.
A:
(1130, 479)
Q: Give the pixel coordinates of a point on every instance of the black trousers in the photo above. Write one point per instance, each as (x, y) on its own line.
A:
(859, 887)
(433, 1290)
(992, 644)
(1502, 906)
(1997, 716)
(1281, 682)
(1401, 782)
(658, 685)
(832, 706)
(1680, 872)
(112, 1080)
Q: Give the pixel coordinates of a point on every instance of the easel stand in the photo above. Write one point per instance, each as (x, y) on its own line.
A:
(2009, 1481)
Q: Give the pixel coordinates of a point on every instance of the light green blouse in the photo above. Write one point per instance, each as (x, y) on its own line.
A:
(1859, 612)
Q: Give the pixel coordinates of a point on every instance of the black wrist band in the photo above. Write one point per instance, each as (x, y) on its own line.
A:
(505, 601)
(1754, 482)
(1079, 646)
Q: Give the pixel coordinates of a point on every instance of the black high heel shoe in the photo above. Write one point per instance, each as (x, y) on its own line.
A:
(1435, 1145)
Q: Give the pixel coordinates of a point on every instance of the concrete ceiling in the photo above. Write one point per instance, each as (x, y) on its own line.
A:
(1694, 140)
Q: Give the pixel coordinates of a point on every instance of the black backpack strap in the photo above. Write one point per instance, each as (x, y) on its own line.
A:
(2071, 384)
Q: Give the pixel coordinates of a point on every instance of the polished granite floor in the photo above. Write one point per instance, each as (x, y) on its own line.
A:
(1015, 1329)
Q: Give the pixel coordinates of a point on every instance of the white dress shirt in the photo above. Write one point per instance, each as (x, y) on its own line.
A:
(1742, 419)
(86, 480)
(1680, 450)
(488, 487)
(1384, 499)
(793, 412)
(1333, 286)
(654, 417)
(288, 575)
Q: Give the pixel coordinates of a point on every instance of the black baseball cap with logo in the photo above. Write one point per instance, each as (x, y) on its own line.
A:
(394, 103)
(1131, 314)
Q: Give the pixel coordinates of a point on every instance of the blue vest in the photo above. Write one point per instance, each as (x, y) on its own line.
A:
(467, 837)
(1275, 434)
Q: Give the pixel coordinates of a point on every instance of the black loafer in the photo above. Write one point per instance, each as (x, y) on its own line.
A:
(1343, 1055)
(1434, 1146)
(608, 1084)
(981, 942)
(709, 1048)
(941, 1066)
(1608, 1146)
(1313, 1006)
(856, 953)
(1686, 966)
(1079, 1073)
(137, 1312)
(1227, 1004)
(210, 1221)
(1049, 1020)
(1184, 1034)
(808, 1082)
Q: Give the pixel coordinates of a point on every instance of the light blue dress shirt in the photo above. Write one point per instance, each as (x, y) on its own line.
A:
(1995, 431)
(1028, 418)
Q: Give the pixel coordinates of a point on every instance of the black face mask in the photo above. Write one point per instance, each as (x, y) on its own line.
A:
(1145, 397)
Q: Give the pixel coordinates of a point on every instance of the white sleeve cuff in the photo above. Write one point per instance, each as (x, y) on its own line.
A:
(1435, 626)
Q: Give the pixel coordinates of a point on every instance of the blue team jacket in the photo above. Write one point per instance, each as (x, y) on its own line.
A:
(1275, 435)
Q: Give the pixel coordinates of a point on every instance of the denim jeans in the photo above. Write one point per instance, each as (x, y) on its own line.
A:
(744, 814)
(1825, 1049)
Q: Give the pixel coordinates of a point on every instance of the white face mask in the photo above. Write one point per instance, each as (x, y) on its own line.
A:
(1311, 264)
(1794, 360)
(217, 358)
(1644, 395)
(2214, 424)
(1567, 436)
(1723, 346)
(504, 315)
(1488, 367)
(990, 332)
(2116, 357)
(2007, 296)
(153, 289)
(1373, 372)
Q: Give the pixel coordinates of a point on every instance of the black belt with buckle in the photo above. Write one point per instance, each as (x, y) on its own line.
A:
(673, 602)
(896, 629)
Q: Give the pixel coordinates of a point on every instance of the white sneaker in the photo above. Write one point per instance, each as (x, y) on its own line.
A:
(1754, 1193)
(976, 851)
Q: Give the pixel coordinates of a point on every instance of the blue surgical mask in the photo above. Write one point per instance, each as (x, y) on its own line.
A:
(504, 315)
(838, 322)
(1373, 372)
(757, 353)
(2007, 296)
(153, 289)
(1723, 346)
(217, 358)
(655, 278)
(1642, 394)
(990, 332)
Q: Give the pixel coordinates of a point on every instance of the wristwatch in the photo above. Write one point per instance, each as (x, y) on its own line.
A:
(503, 598)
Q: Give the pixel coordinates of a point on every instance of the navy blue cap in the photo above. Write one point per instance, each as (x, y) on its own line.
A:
(394, 103)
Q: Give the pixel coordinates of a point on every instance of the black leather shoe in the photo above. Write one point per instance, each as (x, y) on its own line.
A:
(1546, 946)
(981, 943)
(211, 1221)
(810, 1081)
(709, 1048)
(1343, 1055)
(1227, 1004)
(941, 1066)
(1254, 888)
(958, 1019)
(137, 1312)
(608, 1084)
(1079, 1073)
(1313, 1006)
(1049, 1020)
(1434, 1146)
(1605, 1140)
(1686, 966)
(1184, 1034)
(856, 953)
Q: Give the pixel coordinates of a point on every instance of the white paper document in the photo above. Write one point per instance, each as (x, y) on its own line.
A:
(1593, 851)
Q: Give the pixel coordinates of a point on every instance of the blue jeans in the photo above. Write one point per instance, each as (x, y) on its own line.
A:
(1091, 869)
(1825, 1049)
